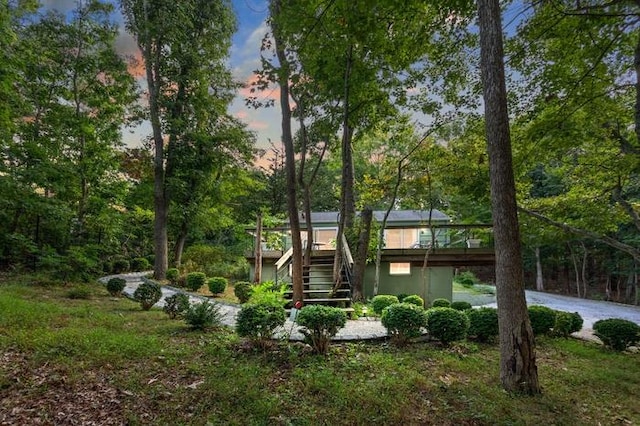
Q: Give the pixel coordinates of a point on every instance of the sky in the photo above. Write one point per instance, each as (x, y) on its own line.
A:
(244, 59)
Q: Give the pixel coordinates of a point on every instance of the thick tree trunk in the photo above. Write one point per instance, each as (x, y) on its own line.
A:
(180, 242)
(360, 261)
(290, 165)
(518, 371)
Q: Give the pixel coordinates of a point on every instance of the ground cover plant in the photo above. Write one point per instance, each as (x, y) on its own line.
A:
(103, 360)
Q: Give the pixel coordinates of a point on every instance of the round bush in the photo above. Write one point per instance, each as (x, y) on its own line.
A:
(148, 294)
(107, 267)
(176, 304)
(414, 299)
(120, 266)
(403, 321)
(259, 321)
(172, 275)
(567, 323)
(483, 323)
(217, 285)
(243, 290)
(140, 264)
(447, 325)
(201, 316)
(116, 285)
(542, 319)
(195, 280)
(441, 303)
(401, 297)
(320, 324)
(461, 305)
(616, 333)
(381, 301)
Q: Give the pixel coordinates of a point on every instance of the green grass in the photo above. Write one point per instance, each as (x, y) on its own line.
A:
(111, 362)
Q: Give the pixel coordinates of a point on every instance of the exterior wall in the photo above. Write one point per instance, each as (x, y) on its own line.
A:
(268, 270)
(439, 283)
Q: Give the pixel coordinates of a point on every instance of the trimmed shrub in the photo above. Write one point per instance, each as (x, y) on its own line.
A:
(172, 275)
(182, 281)
(116, 285)
(243, 290)
(447, 324)
(195, 280)
(542, 319)
(466, 279)
(217, 285)
(148, 294)
(381, 301)
(176, 305)
(567, 323)
(258, 322)
(201, 316)
(414, 299)
(401, 297)
(140, 264)
(461, 305)
(616, 333)
(320, 324)
(79, 292)
(120, 266)
(441, 303)
(483, 323)
(403, 321)
(107, 267)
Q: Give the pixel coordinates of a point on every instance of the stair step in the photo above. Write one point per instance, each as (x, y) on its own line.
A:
(318, 291)
(335, 299)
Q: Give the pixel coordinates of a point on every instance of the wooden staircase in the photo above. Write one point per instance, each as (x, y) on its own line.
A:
(317, 282)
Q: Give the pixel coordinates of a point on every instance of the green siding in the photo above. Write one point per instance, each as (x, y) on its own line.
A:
(439, 282)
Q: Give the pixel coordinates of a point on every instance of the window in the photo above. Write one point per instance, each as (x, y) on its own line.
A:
(400, 268)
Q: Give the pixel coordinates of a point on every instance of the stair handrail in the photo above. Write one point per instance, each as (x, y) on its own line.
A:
(284, 260)
(347, 251)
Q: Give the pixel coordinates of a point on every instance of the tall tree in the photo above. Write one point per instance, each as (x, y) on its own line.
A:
(184, 46)
(518, 371)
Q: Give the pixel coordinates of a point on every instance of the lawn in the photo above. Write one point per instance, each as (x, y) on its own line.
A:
(103, 360)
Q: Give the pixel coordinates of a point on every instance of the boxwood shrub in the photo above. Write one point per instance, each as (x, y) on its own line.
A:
(460, 305)
(120, 266)
(148, 294)
(243, 290)
(258, 321)
(542, 319)
(414, 299)
(483, 323)
(567, 323)
(217, 285)
(381, 301)
(176, 305)
(320, 324)
(140, 264)
(616, 333)
(403, 321)
(172, 275)
(116, 285)
(441, 303)
(195, 280)
(447, 324)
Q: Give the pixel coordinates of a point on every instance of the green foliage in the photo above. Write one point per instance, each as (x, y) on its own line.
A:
(414, 299)
(616, 333)
(268, 293)
(176, 304)
(116, 285)
(401, 297)
(381, 301)
(172, 275)
(120, 266)
(79, 264)
(195, 280)
(404, 321)
(79, 292)
(441, 303)
(320, 324)
(461, 305)
(447, 324)
(243, 290)
(542, 319)
(217, 285)
(139, 264)
(483, 323)
(259, 321)
(148, 294)
(466, 278)
(201, 316)
(567, 323)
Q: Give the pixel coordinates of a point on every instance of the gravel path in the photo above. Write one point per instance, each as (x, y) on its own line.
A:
(590, 310)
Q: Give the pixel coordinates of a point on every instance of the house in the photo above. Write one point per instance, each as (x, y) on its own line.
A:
(421, 251)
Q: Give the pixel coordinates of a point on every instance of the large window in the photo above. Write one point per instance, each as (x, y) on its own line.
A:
(400, 268)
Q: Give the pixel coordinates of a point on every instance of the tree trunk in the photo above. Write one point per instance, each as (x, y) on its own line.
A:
(360, 262)
(290, 165)
(257, 276)
(518, 371)
(539, 280)
(179, 248)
